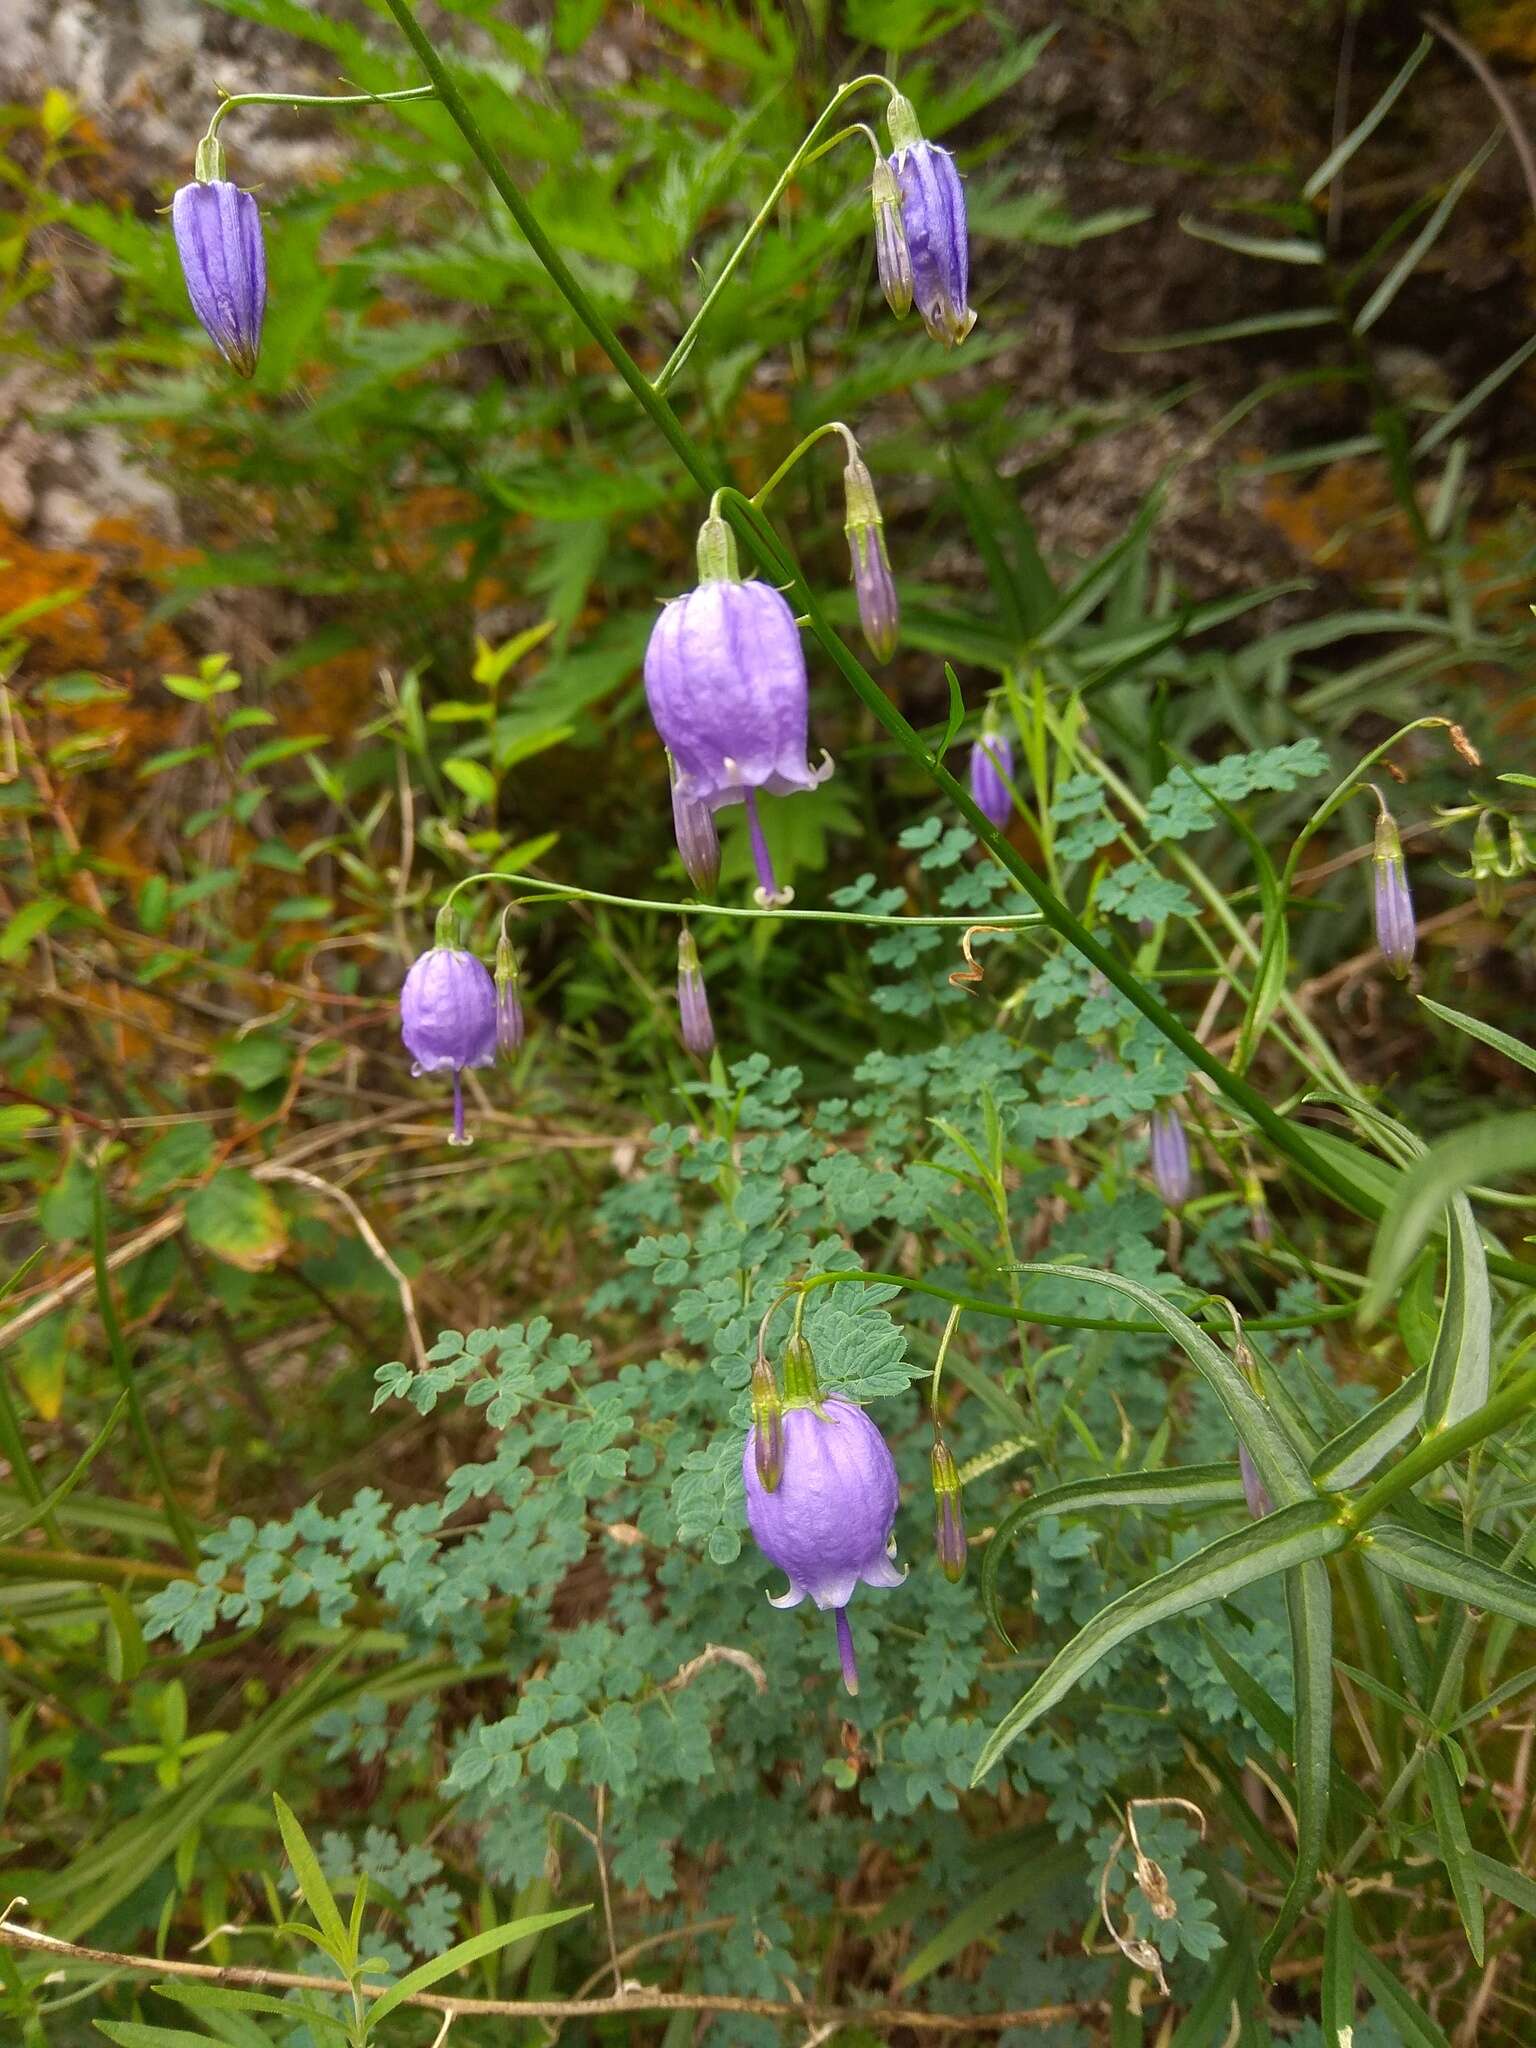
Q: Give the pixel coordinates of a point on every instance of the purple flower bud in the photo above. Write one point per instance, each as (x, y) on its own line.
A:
(1396, 931)
(698, 842)
(933, 220)
(879, 609)
(948, 1513)
(767, 1426)
(510, 1029)
(448, 1016)
(991, 762)
(1171, 1174)
(892, 257)
(828, 1523)
(1255, 1492)
(693, 999)
(218, 238)
(725, 679)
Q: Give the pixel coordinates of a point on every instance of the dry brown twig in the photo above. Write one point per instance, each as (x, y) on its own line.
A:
(634, 2000)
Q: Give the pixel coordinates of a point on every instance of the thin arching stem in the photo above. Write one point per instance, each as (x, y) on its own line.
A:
(778, 565)
(314, 99)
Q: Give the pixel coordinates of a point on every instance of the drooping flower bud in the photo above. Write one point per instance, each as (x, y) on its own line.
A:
(893, 259)
(725, 679)
(948, 1513)
(1255, 1492)
(698, 842)
(828, 1524)
(991, 772)
(223, 258)
(693, 999)
(933, 221)
(802, 1383)
(448, 1014)
(510, 1029)
(1487, 874)
(767, 1426)
(1391, 900)
(879, 609)
(1260, 1227)
(1169, 1149)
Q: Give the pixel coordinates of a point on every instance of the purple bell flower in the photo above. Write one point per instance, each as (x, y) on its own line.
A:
(697, 840)
(725, 679)
(873, 584)
(1169, 1148)
(893, 259)
(1255, 1492)
(991, 772)
(827, 1524)
(693, 999)
(218, 238)
(1391, 900)
(448, 1015)
(510, 1027)
(933, 221)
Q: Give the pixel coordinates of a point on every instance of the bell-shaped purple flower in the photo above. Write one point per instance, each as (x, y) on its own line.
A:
(893, 259)
(1169, 1149)
(827, 1525)
(991, 772)
(698, 842)
(510, 1027)
(223, 259)
(725, 679)
(693, 999)
(448, 1016)
(1391, 900)
(933, 221)
(948, 1512)
(873, 584)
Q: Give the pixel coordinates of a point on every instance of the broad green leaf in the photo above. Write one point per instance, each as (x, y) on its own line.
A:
(1512, 1048)
(1455, 1847)
(316, 1892)
(236, 1219)
(1309, 1608)
(1338, 1971)
(1279, 1467)
(1459, 1367)
(1479, 1152)
(1291, 1536)
(463, 1953)
(1187, 1486)
(1433, 1567)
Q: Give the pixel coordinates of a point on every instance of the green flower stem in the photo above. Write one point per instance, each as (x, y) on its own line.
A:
(807, 153)
(1437, 1449)
(986, 1306)
(14, 1445)
(565, 892)
(760, 497)
(779, 567)
(314, 99)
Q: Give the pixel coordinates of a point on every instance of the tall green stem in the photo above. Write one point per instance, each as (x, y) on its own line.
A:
(779, 567)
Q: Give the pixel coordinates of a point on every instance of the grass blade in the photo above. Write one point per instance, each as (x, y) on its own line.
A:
(1479, 1152)
(45, 1507)
(1455, 1848)
(463, 1953)
(1309, 1607)
(1512, 1048)
(1363, 130)
(1424, 240)
(1339, 1971)
(1459, 1366)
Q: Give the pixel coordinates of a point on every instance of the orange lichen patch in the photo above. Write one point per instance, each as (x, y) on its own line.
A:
(1344, 518)
(71, 635)
(412, 527)
(333, 696)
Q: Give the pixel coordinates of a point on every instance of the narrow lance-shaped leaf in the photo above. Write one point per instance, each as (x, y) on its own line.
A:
(1356, 1452)
(1480, 1152)
(1455, 1848)
(1188, 1486)
(1279, 1467)
(1309, 1607)
(1437, 1568)
(1339, 1971)
(1293, 1535)
(427, 1974)
(1459, 1366)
